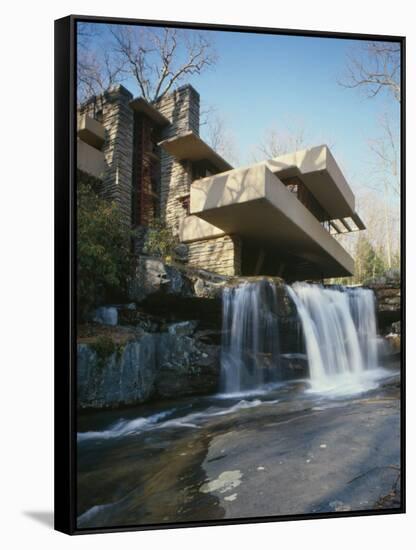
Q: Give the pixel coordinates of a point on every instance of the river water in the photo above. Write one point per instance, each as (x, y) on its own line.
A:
(262, 446)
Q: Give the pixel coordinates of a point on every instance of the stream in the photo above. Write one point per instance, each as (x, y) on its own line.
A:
(284, 452)
(263, 446)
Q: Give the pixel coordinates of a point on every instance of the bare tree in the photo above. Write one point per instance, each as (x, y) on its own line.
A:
(374, 66)
(386, 175)
(97, 67)
(290, 136)
(386, 152)
(97, 73)
(383, 238)
(219, 136)
(279, 142)
(159, 59)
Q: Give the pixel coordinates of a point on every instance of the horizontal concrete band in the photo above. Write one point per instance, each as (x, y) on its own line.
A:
(254, 203)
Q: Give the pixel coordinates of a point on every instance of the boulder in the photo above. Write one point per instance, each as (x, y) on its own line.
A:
(187, 367)
(396, 327)
(163, 364)
(106, 316)
(155, 278)
(180, 252)
(124, 376)
(184, 328)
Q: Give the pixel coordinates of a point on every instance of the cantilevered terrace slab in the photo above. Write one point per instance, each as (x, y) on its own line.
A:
(189, 146)
(253, 203)
(320, 173)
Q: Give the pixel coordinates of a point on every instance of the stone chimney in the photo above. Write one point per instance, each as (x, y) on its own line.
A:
(112, 109)
(181, 107)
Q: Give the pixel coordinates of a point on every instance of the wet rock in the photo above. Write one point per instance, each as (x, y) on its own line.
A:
(339, 506)
(185, 328)
(206, 286)
(160, 364)
(180, 252)
(394, 340)
(154, 280)
(209, 336)
(140, 319)
(124, 376)
(187, 367)
(396, 327)
(225, 482)
(294, 366)
(153, 277)
(388, 300)
(106, 316)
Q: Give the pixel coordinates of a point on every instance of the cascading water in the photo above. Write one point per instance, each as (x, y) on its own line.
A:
(339, 327)
(250, 345)
(363, 307)
(339, 333)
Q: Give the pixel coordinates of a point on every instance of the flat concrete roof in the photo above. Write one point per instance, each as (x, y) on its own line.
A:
(253, 203)
(320, 173)
(140, 105)
(189, 146)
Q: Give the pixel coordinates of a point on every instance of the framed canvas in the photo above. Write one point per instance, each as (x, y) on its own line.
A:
(229, 274)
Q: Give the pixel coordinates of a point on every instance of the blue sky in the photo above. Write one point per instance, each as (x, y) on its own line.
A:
(262, 82)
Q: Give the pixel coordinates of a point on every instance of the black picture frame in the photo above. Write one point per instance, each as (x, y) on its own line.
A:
(65, 270)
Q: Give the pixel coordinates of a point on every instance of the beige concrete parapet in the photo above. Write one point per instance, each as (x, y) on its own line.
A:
(254, 203)
(91, 131)
(193, 229)
(90, 160)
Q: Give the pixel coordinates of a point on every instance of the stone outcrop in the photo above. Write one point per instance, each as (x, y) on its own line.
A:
(124, 377)
(181, 291)
(114, 371)
(187, 366)
(167, 340)
(388, 296)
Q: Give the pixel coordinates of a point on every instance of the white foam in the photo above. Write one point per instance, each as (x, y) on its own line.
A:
(347, 384)
(339, 328)
(124, 428)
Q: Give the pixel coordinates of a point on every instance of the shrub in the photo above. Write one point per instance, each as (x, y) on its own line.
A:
(104, 259)
(159, 240)
(104, 347)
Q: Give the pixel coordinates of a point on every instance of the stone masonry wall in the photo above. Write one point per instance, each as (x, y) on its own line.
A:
(221, 255)
(117, 118)
(182, 108)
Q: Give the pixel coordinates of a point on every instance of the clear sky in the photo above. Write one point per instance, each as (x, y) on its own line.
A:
(267, 81)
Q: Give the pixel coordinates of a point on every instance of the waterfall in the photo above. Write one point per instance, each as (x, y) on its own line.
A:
(339, 327)
(250, 344)
(363, 307)
(339, 333)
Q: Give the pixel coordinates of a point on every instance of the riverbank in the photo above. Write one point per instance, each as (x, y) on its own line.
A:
(281, 453)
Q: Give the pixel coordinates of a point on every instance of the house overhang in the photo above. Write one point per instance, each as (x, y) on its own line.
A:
(189, 146)
(254, 204)
(140, 105)
(318, 170)
(91, 131)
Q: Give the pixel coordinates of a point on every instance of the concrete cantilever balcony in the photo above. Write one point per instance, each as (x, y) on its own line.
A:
(90, 139)
(91, 131)
(254, 204)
